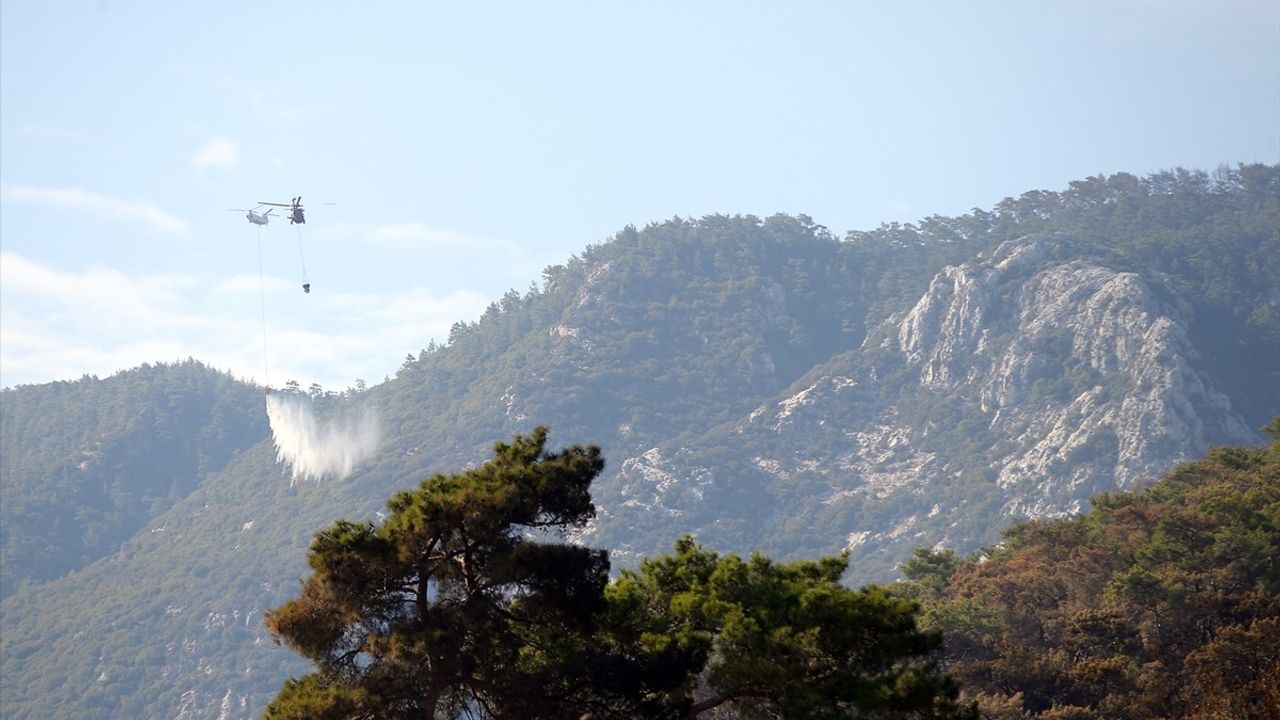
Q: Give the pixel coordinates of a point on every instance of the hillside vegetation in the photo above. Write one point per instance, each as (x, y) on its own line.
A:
(1159, 603)
(684, 323)
(749, 379)
(88, 464)
(460, 604)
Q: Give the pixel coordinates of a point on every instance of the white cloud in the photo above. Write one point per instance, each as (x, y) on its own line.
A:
(218, 152)
(102, 205)
(57, 325)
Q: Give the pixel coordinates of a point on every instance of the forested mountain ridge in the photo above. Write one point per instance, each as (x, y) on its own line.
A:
(678, 347)
(653, 334)
(673, 325)
(87, 464)
(1215, 236)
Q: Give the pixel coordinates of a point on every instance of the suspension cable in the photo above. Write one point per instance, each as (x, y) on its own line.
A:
(262, 297)
(305, 283)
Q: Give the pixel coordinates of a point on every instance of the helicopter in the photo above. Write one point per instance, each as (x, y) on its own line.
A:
(254, 217)
(296, 216)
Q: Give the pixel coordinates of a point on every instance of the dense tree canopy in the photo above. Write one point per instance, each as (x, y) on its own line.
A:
(448, 605)
(1159, 603)
(765, 639)
(450, 608)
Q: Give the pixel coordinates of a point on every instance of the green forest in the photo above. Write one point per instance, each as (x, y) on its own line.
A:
(88, 463)
(656, 296)
(1163, 603)
(665, 335)
(448, 607)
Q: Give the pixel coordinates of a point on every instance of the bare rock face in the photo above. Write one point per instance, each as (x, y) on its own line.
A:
(1085, 370)
(1018, 386)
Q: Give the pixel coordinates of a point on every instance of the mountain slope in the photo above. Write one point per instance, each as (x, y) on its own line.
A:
(760, 382)
(1018, 386)
(87, 464)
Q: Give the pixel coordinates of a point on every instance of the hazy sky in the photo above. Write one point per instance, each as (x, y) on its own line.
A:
(470, 144)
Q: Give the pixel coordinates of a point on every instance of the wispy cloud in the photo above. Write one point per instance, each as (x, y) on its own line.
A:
(102, 205)
(218, 152)
(57, 324)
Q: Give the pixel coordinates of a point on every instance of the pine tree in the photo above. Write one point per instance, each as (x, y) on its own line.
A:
(452, 608)
(756, 638)
(449, 605)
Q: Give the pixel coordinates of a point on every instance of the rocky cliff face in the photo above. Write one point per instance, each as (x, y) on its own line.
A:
(1086, 369)
(1024, 383)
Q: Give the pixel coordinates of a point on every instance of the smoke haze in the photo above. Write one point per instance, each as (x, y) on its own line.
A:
(314, 449)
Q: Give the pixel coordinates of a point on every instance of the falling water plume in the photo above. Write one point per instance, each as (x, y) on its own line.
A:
(316, 449)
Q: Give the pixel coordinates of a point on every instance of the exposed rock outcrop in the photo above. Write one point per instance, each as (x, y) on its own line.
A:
(1085, 368)
(1024, 383)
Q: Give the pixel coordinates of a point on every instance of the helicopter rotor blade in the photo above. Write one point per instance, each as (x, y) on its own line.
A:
(294, 203)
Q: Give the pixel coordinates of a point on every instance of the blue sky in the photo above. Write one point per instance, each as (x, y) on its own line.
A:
(469, 145)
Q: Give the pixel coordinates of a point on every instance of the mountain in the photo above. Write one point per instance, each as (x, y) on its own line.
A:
(759, 382)
(1018, 386)
(88, 464)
